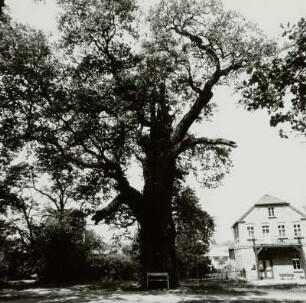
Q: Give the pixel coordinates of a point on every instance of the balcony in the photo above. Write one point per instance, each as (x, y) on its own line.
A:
(276, 241)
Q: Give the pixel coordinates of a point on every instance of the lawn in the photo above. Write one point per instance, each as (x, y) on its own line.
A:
(129, 293)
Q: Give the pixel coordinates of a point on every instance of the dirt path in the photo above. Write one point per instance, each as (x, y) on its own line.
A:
(213, 293)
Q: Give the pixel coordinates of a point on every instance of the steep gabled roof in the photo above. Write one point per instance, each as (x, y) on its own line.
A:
(267, 200)
(298, 211)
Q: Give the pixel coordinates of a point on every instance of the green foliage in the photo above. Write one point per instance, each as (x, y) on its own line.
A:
(195, 228)
(278, 84)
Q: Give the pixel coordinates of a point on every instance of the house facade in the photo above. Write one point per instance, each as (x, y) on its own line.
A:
(269, 241)
(219, 256)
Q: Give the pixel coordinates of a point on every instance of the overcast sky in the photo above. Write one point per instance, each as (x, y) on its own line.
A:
(263, 162)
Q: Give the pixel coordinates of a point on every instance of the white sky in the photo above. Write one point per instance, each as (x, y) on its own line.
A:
(263, 162)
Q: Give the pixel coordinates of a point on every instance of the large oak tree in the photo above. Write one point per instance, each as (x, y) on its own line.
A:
(122, 89)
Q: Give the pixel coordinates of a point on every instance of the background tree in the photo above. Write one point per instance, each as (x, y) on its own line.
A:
(195, 229)
(66, 247)
(46, 224)
(278, 83)
(19, 221)
(20, 206)
(112, 94)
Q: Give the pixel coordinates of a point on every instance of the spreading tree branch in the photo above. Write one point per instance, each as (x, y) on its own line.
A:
(199, 43)
(203, 99)
(129, 196)
(205, 94)
(111, 208)
(191, 141)
(191, 81)
(44, 194)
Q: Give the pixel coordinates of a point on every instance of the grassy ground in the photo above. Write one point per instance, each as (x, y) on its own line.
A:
(128, 293)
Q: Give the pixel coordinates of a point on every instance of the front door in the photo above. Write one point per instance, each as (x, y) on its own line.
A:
(265, 268)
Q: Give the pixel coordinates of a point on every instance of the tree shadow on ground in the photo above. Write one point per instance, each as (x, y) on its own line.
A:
(109, 291)
(214, 300)
(222, 288)
(238, 292)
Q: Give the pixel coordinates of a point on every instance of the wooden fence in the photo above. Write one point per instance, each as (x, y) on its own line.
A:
(224, 275)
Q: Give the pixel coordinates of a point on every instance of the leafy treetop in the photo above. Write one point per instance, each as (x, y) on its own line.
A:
(278, 83)
(119, 88)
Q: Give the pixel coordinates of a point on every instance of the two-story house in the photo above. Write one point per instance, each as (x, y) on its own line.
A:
(269, 241)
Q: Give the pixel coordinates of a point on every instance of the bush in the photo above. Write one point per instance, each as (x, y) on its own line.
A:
(65, 248)
(115, 264)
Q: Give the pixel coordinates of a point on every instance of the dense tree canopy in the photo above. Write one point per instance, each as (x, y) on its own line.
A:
(279, 82)
(121, 89)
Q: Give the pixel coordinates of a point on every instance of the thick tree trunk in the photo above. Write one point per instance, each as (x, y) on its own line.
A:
(157, 229)
(157, 237)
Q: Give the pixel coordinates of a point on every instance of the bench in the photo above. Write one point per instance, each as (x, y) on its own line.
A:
(286, 276)
(158, 277)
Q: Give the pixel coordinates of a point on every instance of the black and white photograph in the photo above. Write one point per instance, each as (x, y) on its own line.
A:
(152, 151)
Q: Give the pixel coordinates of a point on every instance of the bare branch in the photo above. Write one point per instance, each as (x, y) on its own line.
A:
(203, 99)
(111, 169)
(78, 161)
(193, 113)
(205, 94)
(191, 82)
(52, 199)
(199, 43)
(44, 194)
(192, 141)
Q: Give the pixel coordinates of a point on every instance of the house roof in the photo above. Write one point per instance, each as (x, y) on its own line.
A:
(269, 200)
(218, 250)
(265, 201)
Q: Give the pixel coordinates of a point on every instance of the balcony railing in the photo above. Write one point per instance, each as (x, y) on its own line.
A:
(276, 240)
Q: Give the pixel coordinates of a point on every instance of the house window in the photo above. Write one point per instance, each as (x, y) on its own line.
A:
(271, 211)
(296, 262)
(297, 230)
(281, 230)
(265, 230)
(250, 230)
(236, 234)
(231, 254)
